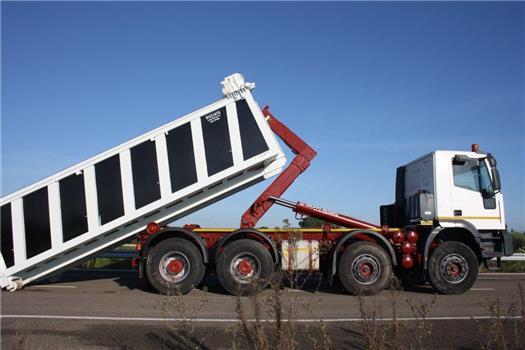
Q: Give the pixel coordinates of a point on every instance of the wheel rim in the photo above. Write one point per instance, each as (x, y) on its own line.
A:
(174, 267)
(245, 267)
(454, 268)
(366, 269)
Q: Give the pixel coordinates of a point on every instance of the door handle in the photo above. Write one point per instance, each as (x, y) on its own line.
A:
(458, 212)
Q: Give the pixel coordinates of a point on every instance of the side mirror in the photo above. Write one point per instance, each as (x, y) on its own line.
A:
(492, 161)
(496, 182)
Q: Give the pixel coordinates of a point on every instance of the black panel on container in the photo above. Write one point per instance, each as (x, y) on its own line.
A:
(217, 141)
(36, 220)
(109, 189)
(73, 205)
(252, 139)
(145, 173)
(7, 235)
(181, 157)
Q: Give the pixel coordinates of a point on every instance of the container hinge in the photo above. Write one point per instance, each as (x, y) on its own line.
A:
(234, 85)
(14, 283)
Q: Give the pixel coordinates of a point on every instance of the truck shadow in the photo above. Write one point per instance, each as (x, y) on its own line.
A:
(130, 280)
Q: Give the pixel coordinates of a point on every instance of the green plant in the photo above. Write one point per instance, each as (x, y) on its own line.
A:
(106, 263)
(518, 241)
(309, 222)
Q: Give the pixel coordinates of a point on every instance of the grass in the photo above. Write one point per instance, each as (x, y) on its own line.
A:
(512, 266)
(107, 263)
(506, 266)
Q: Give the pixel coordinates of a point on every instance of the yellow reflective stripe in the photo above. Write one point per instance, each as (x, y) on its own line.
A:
(299, 250)
(469, 217)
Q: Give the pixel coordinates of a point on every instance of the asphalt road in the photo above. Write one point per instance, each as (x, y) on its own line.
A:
(95, 309)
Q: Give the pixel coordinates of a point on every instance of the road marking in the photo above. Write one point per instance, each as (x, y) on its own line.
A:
(481, 289)
(49, 286)
(233, 320)
(500, 279)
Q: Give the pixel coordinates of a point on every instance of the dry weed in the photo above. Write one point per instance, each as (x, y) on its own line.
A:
(423, 328)
(373, 329)
(505, 329)
(182, 331)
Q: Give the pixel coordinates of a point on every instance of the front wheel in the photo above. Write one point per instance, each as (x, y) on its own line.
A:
(364, 268)
(452, 268)
(174, 266)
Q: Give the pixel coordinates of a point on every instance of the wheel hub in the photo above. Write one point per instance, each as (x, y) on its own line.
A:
(176, 266)
(366, 269)
(245, 267)
(454, 268)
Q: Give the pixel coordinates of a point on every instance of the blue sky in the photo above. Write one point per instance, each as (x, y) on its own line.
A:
(370, 86)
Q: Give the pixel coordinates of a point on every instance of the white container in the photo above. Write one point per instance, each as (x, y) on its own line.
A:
(159, 176)
(300, 255)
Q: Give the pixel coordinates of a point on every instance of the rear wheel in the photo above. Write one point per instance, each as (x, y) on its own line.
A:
(174, 266)
(452, 268)
(364, 268)
(244, 267)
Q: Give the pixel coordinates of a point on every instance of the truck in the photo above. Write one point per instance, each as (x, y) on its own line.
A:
(447, 218)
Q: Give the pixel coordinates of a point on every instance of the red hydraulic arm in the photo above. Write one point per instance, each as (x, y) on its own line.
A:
(304, 154)
(323, 214)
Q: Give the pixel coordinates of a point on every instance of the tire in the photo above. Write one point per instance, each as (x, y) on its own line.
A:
(175, 266)
(452, 268)
(244, 267)
(364, 268)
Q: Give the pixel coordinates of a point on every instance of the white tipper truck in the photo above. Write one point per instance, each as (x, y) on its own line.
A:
(447, 219)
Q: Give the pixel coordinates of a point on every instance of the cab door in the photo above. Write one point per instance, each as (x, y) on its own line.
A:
(472, 195)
